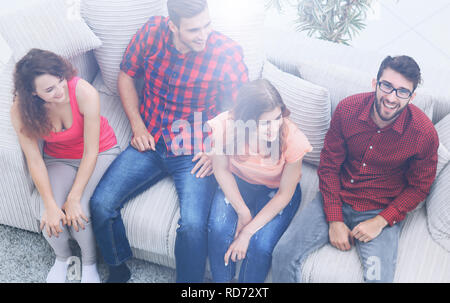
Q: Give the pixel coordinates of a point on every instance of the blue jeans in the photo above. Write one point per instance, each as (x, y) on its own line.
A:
(129, 175)
(222, 227)
(309, 231)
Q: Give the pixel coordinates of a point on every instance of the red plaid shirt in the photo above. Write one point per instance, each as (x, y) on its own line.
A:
(181, 89)
(371, 168)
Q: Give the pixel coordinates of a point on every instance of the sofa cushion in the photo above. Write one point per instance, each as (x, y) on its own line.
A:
(15, 181)
(309, 105)
(242, 21)
(115, 22)
(438, 202)
(86, 65)
(51, 25)
(5, 53)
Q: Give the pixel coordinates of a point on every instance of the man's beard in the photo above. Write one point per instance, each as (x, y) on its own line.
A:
(378, 104)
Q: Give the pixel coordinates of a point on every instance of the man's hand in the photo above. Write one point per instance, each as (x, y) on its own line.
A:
(340, 235)
(370, 229)
(142, 140)
(203, 167)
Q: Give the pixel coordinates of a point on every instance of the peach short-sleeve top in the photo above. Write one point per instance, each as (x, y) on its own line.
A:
(257, 169)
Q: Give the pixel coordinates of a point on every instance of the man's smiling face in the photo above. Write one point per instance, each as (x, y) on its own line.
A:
(388, 106)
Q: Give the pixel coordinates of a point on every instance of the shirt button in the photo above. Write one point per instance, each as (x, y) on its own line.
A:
(394, 222)
(378, 131)
(364, 164)
(352, 181)
(371, 147)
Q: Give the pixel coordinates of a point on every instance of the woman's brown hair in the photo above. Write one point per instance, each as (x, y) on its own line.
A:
(255, 98)
(33, 112)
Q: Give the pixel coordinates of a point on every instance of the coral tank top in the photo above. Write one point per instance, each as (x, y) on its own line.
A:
(69, 144)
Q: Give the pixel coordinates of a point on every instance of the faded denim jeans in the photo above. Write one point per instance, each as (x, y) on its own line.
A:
(222, 227)
(309, 231)
(129, 175)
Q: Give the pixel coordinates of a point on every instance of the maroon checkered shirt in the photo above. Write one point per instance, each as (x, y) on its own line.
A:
(371, 168)
(183, 91)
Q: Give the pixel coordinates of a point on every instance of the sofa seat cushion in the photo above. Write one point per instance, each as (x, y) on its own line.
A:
(151, 220)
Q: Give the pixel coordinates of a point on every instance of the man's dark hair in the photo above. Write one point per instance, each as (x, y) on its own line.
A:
(184, 9)
(403, 65)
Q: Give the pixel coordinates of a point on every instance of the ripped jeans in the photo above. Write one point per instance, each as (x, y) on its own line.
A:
(222, 226)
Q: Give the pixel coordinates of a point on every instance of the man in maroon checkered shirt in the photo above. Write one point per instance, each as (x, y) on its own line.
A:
(378, 163)
(191, 73)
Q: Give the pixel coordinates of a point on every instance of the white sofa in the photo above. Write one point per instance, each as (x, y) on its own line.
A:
(151, 218)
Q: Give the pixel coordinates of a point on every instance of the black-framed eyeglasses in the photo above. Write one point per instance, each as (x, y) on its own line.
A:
(402, 93)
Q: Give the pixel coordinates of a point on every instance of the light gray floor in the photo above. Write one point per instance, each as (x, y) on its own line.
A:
(25, 257)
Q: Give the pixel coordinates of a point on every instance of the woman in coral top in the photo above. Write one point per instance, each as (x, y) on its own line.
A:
(257, 162)
(52, 104)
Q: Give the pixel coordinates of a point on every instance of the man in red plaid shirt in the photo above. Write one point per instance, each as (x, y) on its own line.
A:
(378, 163)
(191, 73)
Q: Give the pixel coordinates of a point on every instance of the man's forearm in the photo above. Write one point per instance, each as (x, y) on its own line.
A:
(130, 99)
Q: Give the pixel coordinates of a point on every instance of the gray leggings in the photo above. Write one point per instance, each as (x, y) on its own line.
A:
(62, 173)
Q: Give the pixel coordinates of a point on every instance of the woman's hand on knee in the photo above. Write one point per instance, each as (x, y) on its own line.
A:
(51, 220)
(74, 213)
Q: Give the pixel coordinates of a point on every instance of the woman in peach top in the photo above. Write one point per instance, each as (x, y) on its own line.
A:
(257, 162)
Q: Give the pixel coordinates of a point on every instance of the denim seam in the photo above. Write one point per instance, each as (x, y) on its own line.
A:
(230, 271)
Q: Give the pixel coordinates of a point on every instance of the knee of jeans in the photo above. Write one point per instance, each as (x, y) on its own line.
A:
(192, 225)
(219, 225)
(99, 209)
(260, 247)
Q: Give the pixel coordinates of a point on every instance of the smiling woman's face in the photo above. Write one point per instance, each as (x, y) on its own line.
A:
(50, 88)
(269, 125)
